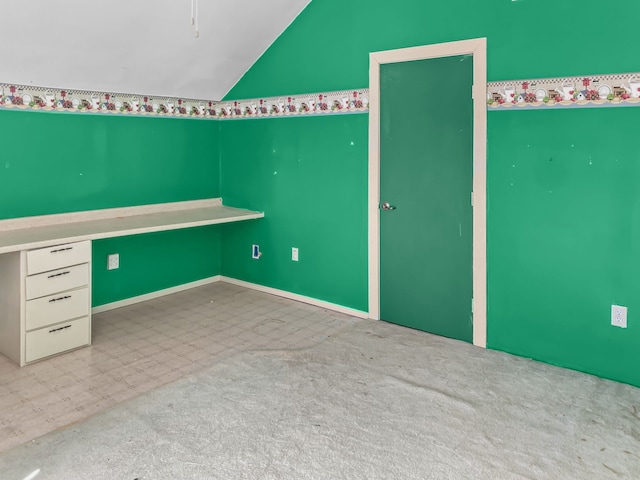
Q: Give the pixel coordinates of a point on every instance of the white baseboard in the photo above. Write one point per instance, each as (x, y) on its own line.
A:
(219, 278)
(152, 295)
(294, 296)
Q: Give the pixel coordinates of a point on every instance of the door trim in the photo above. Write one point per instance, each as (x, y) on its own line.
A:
(478, 48)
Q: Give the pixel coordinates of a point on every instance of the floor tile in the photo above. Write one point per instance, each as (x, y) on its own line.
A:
(144, 346)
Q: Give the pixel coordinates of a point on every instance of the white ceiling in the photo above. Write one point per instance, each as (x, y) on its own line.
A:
(138, 46)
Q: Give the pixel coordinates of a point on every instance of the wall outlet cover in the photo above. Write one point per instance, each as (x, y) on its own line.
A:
(113, 261)
(255, 252)
(619, 316)
(294, 254)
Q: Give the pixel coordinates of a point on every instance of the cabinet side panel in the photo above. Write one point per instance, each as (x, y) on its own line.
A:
(10, 299)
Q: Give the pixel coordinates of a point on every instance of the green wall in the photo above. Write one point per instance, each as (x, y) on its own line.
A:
(563, 236)
(562, 200)
(309, 176)
(58, 162)
(154, 261)
(327, 47)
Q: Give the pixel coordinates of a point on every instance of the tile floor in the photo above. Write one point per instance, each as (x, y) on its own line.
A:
(143, 346)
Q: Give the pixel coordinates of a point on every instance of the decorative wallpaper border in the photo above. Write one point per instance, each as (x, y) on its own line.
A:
(569, 92)
(76, 101)
(592, 91)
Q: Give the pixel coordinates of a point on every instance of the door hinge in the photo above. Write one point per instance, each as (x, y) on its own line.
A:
(472, 199)
(471, 305)
(473, 92)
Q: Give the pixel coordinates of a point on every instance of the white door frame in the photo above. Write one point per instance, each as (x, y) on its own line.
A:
(478, 48)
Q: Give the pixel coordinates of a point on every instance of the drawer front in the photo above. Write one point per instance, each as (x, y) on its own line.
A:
(56, 339)
(57, 281)
(57, 308)
(52, 258)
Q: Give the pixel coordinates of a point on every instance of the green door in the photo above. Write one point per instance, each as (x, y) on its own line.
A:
(426, 177)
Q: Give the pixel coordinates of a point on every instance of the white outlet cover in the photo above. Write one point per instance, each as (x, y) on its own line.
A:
(619, 316)
(113, 261)
(294, 254)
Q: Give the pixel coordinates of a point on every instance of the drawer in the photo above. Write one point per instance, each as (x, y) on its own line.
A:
(56, 339)
(57, 281)
(57, 308)
(52, 258)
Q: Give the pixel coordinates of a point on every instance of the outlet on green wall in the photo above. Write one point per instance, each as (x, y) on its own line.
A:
(154, 261)
(309, 175)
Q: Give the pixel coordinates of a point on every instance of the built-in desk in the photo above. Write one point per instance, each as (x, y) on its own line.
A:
(43, 231)
(45, 269)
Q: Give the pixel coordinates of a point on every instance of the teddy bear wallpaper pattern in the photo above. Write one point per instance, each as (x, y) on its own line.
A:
(589, 91)
(73, 101)
(569, 92)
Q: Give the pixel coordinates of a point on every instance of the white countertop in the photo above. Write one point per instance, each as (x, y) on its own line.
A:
(127, 222)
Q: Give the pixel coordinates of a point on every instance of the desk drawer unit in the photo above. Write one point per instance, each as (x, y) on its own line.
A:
(57, 338)
(57, 308)
(53, 258)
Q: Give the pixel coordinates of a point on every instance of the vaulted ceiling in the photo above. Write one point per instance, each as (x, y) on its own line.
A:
(138, 46)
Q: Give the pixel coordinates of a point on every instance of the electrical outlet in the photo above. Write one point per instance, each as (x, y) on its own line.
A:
(294, 254)
(619, 316)
(255, 252)
(113, 261)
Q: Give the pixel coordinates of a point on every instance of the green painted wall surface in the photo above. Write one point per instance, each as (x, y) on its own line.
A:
(154, 261)
(327, 47)
(56, 162)
(564, 237)
(309, 175)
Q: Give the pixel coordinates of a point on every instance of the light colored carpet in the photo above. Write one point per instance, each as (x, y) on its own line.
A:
(375, 401)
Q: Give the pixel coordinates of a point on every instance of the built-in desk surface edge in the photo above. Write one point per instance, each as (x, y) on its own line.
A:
(50, 230)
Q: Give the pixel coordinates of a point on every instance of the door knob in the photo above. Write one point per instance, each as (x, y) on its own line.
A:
(386, 206)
